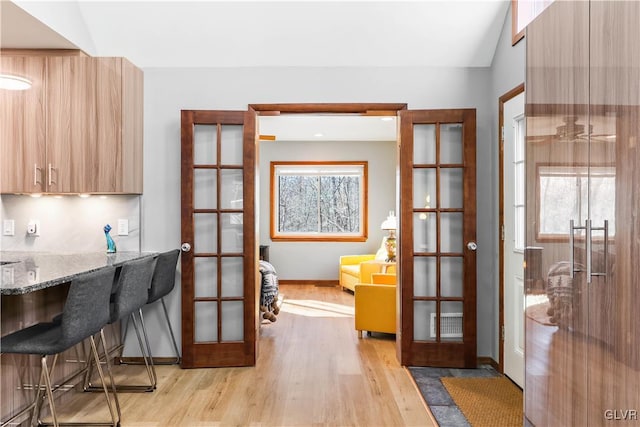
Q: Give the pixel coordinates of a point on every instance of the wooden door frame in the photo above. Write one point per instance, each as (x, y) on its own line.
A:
(364, 109)
(501, 101)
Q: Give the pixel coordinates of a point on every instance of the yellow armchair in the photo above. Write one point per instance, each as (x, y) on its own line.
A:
(357, 269)
(375, 304)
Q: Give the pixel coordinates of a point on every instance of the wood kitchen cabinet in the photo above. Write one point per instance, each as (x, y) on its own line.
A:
(91, 126)
(23, 127)
(582, 333)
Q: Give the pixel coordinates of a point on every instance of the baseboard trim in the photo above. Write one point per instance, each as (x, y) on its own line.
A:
(309, 282)
(140, 360)
(488, 361)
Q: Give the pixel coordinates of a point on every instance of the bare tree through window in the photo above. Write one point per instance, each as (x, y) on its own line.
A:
(318, 200)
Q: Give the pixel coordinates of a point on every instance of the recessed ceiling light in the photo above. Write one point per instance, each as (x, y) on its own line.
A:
(10, 82)
(387, 118)
(83, 195)
(318, 135)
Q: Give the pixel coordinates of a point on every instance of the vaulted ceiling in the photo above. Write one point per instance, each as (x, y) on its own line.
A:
(432, 33)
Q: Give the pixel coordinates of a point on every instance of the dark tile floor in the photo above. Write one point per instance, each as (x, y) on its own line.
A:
(435, 394)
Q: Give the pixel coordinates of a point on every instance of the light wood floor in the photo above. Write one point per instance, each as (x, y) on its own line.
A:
(312, 370)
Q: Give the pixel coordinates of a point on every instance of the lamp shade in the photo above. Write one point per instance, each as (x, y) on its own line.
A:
(390, 223)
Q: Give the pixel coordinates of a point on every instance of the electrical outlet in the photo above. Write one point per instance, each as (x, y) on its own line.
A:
(7, 275)
(123, 227)
(33, 227)
(9, 227)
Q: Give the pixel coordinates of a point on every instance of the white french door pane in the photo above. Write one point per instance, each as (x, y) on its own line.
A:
(451, 187)
(231, 145)
(451, 232)
(451, 143)
(425, 236)
(451, 276)
(204, 189)
(206, 277)
(424, 188)
(232, 321)
(231, 233)
(205, 233)
(423, 312)
(231, 189)
(424, 144)
(206, 321)
(424, 276)
(204, 144)
(232, 277)
(451, 321)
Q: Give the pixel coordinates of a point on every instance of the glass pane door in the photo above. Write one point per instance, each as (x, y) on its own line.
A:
(439, 222)
(218, 289)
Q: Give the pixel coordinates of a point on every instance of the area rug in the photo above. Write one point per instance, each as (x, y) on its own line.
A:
(444, 409)
(486, 402)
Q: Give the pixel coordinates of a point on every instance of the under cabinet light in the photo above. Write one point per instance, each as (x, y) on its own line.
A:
(10, 82)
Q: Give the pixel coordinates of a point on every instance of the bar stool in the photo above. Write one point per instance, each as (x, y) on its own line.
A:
(163, 282)
(130, 294)
(85, 313)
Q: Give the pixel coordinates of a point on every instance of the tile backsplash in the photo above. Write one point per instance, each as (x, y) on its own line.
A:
(70, 223)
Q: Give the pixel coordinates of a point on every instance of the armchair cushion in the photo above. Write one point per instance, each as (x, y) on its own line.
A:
(375, 307)
(352, 270)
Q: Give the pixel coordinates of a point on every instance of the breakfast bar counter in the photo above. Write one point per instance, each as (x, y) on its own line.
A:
(24, 272)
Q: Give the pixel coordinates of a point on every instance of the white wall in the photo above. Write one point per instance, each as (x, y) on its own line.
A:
(319, 260)
(507, 72)
(168, 90)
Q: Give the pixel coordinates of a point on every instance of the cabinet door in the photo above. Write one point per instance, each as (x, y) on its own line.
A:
(22, 127)
(614, 320)
(71, 124)
(557, 100)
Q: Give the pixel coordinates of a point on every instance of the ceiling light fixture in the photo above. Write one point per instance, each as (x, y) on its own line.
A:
(386, 118)
(10, 82)
(318, 135)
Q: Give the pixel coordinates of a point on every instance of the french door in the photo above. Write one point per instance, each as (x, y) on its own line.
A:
(437, 234)
(219, 260)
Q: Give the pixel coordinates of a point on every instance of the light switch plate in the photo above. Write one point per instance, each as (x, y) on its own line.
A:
(9, 227)
(123, 227)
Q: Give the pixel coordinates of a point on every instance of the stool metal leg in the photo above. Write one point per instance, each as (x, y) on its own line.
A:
(173, 338)
(88, 386)
(150, 357)
(177, 359)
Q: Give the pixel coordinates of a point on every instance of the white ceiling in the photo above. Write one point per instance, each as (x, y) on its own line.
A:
(451, 33)
(213, 33)
(332, 127)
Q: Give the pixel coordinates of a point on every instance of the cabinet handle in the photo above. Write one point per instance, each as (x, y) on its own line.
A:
(35, 174)
(572, 229)
(604, 228)
(49, 175)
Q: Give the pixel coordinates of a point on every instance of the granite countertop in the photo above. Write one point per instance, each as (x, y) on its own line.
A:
(24, 272)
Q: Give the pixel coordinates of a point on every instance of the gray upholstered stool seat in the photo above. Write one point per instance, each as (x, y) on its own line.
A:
(85, 313)
(163, 282)
(129, 295)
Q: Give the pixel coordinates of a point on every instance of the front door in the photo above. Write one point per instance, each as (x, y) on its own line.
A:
(219, 261)
(437, 235)
(513, 235)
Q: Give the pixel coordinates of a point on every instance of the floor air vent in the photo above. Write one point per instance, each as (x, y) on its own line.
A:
(450, 325)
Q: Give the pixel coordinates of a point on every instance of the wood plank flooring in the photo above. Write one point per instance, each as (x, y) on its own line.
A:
(312, 370)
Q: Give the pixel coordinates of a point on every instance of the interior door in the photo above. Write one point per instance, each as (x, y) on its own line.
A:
(438, 231)
(513, 236)
(219, 259)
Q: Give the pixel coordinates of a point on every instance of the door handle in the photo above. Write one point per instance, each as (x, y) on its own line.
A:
(186, 247)
(472, 246)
